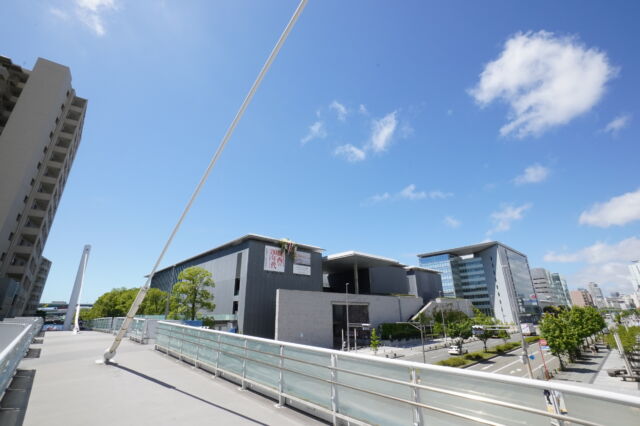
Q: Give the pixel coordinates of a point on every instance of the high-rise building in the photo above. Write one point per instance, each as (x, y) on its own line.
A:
(581, 298)
(596, 295)
(551, 288)
(634, 268)
(41, 121)
(494, 277)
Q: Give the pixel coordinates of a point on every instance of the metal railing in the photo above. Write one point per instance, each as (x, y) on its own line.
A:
(21, 332)
(368, 390)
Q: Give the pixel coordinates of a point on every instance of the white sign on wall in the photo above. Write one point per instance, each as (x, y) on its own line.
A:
(273, 259)
(302, 263)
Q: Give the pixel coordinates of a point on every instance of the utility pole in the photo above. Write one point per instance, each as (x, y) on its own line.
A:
(515, 312)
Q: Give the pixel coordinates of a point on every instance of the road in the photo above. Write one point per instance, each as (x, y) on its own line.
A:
(440, 354)
(511, 363)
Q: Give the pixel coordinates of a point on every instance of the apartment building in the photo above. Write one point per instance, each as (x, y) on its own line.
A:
(551, 288)
(581, 298)
(41, 121)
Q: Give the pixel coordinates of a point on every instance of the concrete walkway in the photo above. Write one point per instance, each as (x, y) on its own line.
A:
(144, 388)
(586, 369)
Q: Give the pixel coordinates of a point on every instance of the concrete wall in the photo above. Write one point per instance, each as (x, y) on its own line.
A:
(306, 317)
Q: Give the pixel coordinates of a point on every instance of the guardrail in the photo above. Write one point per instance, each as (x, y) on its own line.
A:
(364, 389)
(25, 330)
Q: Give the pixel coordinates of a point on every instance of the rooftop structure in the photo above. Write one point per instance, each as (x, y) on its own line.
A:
(41, 121)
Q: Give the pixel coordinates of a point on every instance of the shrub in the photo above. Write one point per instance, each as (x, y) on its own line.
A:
(474, 356)
(455, 361)
(532, 339)
(398, 331)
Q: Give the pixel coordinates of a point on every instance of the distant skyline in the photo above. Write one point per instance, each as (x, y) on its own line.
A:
(388, 129)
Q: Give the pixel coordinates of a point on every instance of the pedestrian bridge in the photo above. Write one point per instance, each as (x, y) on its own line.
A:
(191, 375)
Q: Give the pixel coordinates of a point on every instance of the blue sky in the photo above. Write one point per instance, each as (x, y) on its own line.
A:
(393, 128)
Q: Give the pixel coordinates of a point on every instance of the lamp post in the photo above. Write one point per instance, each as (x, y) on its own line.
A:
(444, 324)
(346, 301)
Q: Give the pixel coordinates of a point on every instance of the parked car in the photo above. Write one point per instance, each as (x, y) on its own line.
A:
(457, 350)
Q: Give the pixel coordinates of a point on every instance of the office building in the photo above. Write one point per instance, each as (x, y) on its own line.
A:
(581, 298)
(495, 277)
(634, 269)
(597, 296)
(550, 288)
(41, 121)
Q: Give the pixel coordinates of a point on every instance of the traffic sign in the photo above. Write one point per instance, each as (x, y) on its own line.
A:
(542, 342)
(532, 357)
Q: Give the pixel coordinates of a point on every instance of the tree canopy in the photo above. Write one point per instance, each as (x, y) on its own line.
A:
(190, 293)
(116, 303)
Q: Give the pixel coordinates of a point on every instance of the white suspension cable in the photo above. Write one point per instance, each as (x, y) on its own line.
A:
(111, 351)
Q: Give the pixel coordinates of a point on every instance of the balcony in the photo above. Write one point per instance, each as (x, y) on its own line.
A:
(58, 156)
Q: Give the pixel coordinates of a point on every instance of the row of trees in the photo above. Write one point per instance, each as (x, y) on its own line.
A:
(458, 326)
(567, 329)
(188, 296)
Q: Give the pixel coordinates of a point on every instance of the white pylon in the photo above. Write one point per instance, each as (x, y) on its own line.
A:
(74, 305)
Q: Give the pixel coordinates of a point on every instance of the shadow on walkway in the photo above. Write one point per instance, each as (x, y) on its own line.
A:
(169, 386)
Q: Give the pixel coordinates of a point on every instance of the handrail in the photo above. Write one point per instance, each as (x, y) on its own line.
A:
(178, 333)
(7, 370)
(542, 385)
(385, 379)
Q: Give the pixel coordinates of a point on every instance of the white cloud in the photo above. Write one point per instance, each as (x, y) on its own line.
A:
(340, 110)
(410, 193)
(617, 124)
(624, 251)
(503, 219)
(316, 131)
(90, 13)
(382, 133)
(532, 174)
(451, 222)
(619, 210)
(606, 263)
(546, 80)
(351, 153)
(363, 110)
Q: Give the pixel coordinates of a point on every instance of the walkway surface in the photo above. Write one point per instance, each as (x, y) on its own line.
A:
(592, 372)
(145, 387)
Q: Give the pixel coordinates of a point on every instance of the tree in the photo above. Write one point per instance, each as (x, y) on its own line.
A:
(375, 341)
(459, 331)
(488, 322)
(190, 293)
(117, 302)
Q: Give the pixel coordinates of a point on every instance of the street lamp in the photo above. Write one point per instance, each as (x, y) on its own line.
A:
(444, 324)
(346, 301)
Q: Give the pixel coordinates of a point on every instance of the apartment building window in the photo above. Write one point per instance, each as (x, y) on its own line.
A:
(10, 236)
(235, 307)
(18, 217)
(236, 287)
(2, 256)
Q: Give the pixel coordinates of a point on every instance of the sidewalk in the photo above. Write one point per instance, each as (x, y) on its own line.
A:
(586, 369)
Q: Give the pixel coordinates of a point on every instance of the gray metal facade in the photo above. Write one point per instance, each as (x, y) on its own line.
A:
(256, 298)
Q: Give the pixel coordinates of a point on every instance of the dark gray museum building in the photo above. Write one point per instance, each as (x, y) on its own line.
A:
(249, 271)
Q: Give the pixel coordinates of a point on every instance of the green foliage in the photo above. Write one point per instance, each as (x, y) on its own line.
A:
(190, 293)
(375, 341)
(506, 347)
(459, 330)
(566, 330)
(628, 336)
(398, 331)
(116, 303)
(531, 339)
(481, 318)
(454, 361)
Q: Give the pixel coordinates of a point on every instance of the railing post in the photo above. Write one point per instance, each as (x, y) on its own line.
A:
(244, 366)
(417, 417)
(218, 358)
(334, 389)
(198, 340)
(281, 378)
